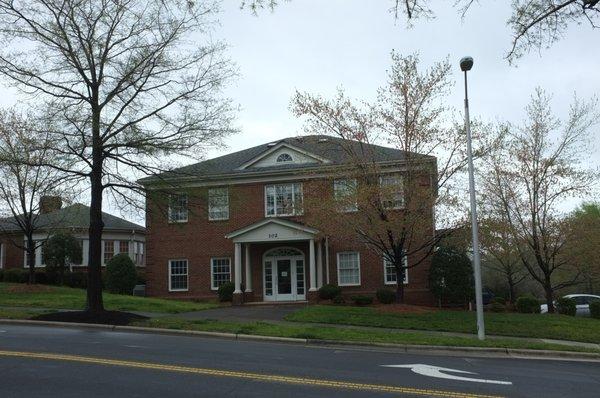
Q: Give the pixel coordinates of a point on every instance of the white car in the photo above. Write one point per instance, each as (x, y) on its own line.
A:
(582, 301)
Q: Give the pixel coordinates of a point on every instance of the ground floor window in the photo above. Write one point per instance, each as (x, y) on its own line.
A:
(178, 275)
(348, 268)
(124, 246)
(389, 272)
(220, 272)
(109, 250)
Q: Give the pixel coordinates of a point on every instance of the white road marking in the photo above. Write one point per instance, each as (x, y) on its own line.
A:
(436, 371)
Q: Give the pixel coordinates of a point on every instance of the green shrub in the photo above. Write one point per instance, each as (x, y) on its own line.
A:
(451, 275)
(497, 307)
(329, 292)
(41, 277)
(338, 299)
(528, 305)
(16, 275)
(226, 291)
(595, 309)
(499, 300)
(77, 279)
(120, 274)
(566, 306)
(362, 300)
(385, 296)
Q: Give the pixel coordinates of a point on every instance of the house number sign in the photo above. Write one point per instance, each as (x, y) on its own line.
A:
(271, 236)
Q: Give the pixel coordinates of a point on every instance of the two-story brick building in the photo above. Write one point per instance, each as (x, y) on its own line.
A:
(240, 218)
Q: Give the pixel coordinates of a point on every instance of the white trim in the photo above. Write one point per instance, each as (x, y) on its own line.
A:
(274, 274)
(212, 285)
(338, 268)
(275, 148)
(187, 215)
(385, 272)
(284, 223)
(187, 274)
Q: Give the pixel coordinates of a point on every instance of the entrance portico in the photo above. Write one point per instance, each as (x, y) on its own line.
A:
(283, 263)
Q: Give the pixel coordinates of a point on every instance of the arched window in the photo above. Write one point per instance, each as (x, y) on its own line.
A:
(284, 157)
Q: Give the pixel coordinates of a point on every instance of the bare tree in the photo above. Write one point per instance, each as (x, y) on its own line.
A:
(545, 168)
(123, 84)
(410, 115)
(23, 185)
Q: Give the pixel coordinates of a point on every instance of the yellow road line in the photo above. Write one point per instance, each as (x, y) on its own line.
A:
(245, 375)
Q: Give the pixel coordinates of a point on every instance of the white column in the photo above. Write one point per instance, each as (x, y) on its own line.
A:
(248, 270)
(237, 259)
(311, 261)
(327, 259)
(319, 264)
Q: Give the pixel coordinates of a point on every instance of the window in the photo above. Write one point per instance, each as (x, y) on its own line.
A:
(389, 272)
(124, 246)
(109, 250)
(344, 193)
(139, 253)
(283, 199)
(178, 208)
(178, 275)
(348, 267)
(218, 204)
(220, 272)
(392, 191)
(284, 157)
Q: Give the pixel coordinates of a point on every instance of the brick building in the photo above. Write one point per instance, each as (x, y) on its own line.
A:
(240, 218)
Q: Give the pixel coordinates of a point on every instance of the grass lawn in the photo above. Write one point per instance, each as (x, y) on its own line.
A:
(53, 297)
(547, 326)
(348, 334)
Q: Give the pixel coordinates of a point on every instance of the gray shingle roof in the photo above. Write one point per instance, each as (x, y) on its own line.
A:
(76, 216)
(327, 147)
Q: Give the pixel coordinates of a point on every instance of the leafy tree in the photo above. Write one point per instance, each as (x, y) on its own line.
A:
(451, 275)
(545, 168)
(121, 85)
(410, 115)
(583, 241)
(23, 185)
(60, 250)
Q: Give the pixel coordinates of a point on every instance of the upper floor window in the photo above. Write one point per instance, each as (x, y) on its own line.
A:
(344, 193)
(218, 204)
(283, 199)
(178, 207)
(284, 157)
(390, 276)
(392, 191)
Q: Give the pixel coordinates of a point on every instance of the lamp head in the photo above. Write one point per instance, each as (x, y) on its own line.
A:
(466, 63)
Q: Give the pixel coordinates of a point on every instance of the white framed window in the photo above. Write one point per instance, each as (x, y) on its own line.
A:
(109, 250)
(392, 191)
(218, 204)
(139, 253)
(178, 208)
(38, 260)
(283, 199)
(124, 246)
(345, 194)
(389, 272)
(348, 268)
(220, 272)
(284, 157)
(178, 275)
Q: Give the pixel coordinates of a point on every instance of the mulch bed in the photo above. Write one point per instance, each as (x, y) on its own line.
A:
(107, 317)
(25, 288)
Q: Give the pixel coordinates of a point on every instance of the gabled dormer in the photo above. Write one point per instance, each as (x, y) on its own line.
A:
(283, 154)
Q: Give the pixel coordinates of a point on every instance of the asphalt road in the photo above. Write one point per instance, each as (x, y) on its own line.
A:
(68, 362)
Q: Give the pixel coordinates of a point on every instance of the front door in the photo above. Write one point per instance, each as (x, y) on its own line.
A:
(283, 277)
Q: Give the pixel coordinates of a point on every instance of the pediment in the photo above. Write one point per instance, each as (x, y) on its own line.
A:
(283, 154)
(272, 230)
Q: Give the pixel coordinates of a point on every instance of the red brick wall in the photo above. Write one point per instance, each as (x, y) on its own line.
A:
(200, 239)
(14, 255)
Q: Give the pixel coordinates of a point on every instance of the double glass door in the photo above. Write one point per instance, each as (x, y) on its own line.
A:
(284, 278)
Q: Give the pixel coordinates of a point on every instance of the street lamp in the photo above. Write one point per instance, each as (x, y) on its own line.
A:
(465, 65)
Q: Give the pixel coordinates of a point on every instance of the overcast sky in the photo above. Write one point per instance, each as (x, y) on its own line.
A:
(317, 46)
(320, 45)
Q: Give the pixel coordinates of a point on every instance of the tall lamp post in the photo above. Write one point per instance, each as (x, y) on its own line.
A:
(465, 65)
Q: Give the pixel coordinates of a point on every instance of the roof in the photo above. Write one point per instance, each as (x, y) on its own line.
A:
(75, 216)
(321, 146)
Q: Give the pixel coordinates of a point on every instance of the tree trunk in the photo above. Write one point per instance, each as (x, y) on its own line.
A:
(94, 288)
(400, 285)
(31, 259)
(549, 297)
(511, 290)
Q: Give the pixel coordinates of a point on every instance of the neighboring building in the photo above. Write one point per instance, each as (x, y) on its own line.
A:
(119, 236)
(239, 217)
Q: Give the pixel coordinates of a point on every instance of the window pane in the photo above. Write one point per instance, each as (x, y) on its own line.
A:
(392, 187)
(344, 192)
(218, 204)
(283, 199)
(178, 207)
(221, 272)
(348, 269)
(109, 250)
(178, 274)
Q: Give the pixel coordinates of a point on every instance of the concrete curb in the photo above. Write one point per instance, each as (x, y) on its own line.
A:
(402, 348)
